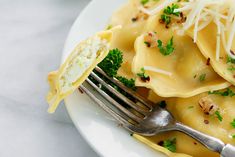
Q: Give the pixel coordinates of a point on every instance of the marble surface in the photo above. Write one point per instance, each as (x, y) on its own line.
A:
(32, 34)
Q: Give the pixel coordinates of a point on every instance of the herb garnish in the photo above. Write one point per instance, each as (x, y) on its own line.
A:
(233, 136)
(130, 83)
(144, 2)
(110, 66)
(233, 123)
(230, 60)
(190, 107)
(144, 77)
(231, 68)
(218, 115)
(202, 77)
(168, 49)
(228, 92)
(169, 10)
(112, 62)
(109, 27)
(170, 144)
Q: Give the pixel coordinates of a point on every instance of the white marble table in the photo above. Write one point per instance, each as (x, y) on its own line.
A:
(32, 34)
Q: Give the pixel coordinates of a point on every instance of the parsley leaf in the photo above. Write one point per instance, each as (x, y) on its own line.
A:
(165, 18)
(230, 60)
(109, 27)
(168, 49)
(233, 123)
(233, 136)
(218, 115)
(144, 2)
(110, 66)
(202, 77)
(170, 144)
(228, 92)
(190, 107)
(143, 76)
(170, 10)
(112, 62)
(231, 68)
(130, 83)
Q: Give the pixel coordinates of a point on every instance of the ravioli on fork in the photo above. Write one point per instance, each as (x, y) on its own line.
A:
(77, 67)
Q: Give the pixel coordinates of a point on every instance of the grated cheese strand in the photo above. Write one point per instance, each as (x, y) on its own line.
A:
(157, 70)
(157, 8)
(231, 38)
(200, 13)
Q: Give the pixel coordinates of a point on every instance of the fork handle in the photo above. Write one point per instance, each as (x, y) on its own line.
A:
(228, 151)
(210, 142)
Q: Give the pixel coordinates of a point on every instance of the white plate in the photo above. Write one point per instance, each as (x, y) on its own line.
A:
(98, 128)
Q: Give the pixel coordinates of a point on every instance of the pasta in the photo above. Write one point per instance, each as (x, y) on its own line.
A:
(180, 53)
(186, 64)
(77, 67)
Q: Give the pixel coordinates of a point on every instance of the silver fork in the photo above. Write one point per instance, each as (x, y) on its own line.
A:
(142, 117)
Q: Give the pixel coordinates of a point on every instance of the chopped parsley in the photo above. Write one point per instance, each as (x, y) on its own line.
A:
(144, 2)
(233, 123)
(170, 144)
(166, 19)
(230, 60)
(109, 27)
(228, 92)
(112, 62)
(231, 68)
(218, 115)
(233, 136)
(168, 11)
(190, 107)
(110, 66)
(202, 77)
(168, 49)
(144, 77)
(130, 83)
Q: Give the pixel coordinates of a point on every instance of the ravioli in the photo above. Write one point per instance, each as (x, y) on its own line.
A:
(124, 38)
(186, 65)
(206, 42)
(77, 67)
(183, 108)
(150, 142)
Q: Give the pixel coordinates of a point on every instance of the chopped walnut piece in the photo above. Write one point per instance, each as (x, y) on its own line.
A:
(182, 18)
(208, 106)
(151, 39)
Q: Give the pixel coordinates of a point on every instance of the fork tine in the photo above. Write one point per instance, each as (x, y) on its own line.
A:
(114, 102)
(115, 115)
(135, 106)
(143, 100)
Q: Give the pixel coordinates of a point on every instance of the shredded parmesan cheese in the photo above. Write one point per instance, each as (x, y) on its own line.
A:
(200, 13)
(216, 10)
(158, 8)
(157, 70)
